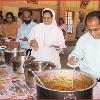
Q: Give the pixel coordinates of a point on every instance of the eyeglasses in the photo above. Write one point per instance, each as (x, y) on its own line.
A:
(92, 30)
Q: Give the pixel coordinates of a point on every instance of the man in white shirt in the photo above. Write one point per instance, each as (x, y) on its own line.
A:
(87, 50)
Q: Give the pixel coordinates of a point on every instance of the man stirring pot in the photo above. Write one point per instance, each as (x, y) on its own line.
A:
(87, 50)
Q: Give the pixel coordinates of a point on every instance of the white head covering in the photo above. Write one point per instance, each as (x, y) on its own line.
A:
(54, 20)
(47, 35)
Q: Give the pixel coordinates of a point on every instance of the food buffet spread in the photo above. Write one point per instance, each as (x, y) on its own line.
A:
(13, 85)
(17, 80)
(14, 82)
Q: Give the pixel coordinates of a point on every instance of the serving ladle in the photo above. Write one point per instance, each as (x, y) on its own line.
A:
(74, 69)
(35, 73)
(38, 78)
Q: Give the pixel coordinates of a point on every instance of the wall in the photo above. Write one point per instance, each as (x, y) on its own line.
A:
(12, 9)
(7, 6)
(75, 6)
(60, 7)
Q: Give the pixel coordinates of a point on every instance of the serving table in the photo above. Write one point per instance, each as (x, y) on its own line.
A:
(13, 85)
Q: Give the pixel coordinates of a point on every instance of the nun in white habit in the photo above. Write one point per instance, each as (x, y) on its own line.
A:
(47, 39)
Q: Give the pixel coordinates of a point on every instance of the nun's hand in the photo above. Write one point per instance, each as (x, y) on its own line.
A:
(34, 44)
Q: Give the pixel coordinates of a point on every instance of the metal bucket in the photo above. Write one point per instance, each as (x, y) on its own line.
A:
(9, 54)
(18, 63)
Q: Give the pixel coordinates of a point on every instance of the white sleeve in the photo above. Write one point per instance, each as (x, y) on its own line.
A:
(61, 40)
(79, 49)
(78, 52)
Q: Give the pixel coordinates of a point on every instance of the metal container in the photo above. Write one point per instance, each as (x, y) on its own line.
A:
(19, 61)
(37, 66)
(59, 84)
(9, 54)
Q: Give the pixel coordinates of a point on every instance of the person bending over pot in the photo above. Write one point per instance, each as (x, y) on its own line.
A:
(86, 54)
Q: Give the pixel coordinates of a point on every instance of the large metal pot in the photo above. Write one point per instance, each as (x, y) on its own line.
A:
(37, 66)
(65, 84)
(9, 54)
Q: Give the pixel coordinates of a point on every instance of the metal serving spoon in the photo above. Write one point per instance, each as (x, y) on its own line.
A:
(38, 78)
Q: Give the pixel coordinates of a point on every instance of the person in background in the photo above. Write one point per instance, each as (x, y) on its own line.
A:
(63, 27)
(10, 28)
(20, 19)
(87, 51)
(47, 39)
(24, 30)
(80, 28)
(1, 24)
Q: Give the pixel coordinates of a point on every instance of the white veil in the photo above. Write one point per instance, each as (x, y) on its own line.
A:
(53, 12)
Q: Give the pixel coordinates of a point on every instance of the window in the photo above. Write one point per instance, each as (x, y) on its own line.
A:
(69, 21)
